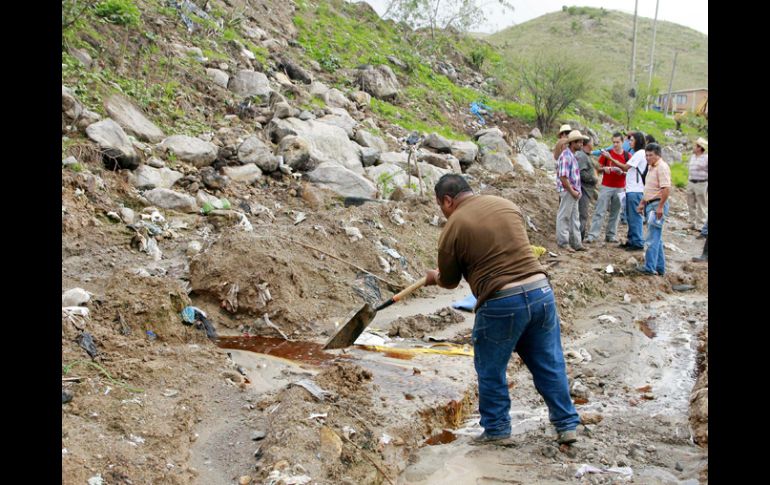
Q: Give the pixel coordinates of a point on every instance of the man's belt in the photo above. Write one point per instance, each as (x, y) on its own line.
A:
(698, 181)
(516, 290)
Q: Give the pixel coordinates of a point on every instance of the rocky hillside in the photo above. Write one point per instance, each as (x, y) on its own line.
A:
(603, 38)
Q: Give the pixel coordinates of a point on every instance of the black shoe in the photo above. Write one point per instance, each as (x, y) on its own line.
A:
(623, 244)
(645, 271)
(634, 248)
(484, 438)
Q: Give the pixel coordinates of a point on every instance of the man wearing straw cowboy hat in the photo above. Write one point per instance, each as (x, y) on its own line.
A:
(562, 141)
(568, 185)
(697, 187)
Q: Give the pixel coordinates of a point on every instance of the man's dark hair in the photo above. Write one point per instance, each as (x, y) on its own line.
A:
(617, 134)
(650, 139)
(639, 141)
(451, 184)
(654, 148)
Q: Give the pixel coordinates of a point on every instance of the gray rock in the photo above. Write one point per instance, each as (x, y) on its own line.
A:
(379, 81)
(220, 78)
(213, 180)
(296, 153)
(340, 117)
(397, 62)
(317, 88)
(388, 176)
(327, 143)
(87, 118)
(335, 98)
(114, 143)
(284, 110)
(70, 106)
(169, 199)
(275, 45)
(369, 156)
(131, 119)
(192, 150)
(430, 174)
(671, 155)
(250, 83)
(396, 158)
(69, 161)
(249, 173)
(75, 297)
(361, 98)
(523, 162)
(184, 50)
(253, 150)
(464, 151)
(342, 181)
(538, 154)
(146, 177)
(253, 32)
(306, 115)
(295, 71)
(438, 142)
(487, 131)
(366, 139)
(127, 215)
(535, 133)
(495, 153)
(447, 162)
(447, 70)
(82, 56)
(156, 162)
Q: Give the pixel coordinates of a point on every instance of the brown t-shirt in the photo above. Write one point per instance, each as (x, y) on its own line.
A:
(485, 240)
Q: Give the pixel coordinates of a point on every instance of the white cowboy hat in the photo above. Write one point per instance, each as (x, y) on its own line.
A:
(575, 135)
(565, 128)
(703, 143)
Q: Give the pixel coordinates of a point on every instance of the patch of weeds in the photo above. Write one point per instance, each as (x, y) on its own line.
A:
(385, 184)
(76, 167)
(679, 174)
(119, 12)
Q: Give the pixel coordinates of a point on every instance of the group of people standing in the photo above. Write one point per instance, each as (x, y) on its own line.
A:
(635, 186)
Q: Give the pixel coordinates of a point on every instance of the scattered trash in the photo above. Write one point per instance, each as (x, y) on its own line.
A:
(368, 288)
(384, 264)
(624, 471)
(354, 233)
(170, 392)
(627, 298)
(672, 247)
(538, 251)
(153, 250)
(434, 221)
(577, 356)
(607, 319)
(66, 396)
(75, 297)
(194, 315)
(683, 287)
(96, 480)
(386, 439)
(312, 388)
(609, 269)
(369, 338)
(347, 432)
(113, 216)
(274, 326)
(86, 341)
(468, 303)
(396, 217)
(531, 224)
(151, 335)
(299, 217)
(136, 440)
(276, 477)
(76, 315)
(320, 416)
(553, 255)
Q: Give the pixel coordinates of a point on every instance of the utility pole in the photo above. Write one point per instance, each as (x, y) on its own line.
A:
(652, 52)
(671, 83)
(633, 50)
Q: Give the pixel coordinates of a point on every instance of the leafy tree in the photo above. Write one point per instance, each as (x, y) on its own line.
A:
(462, 15)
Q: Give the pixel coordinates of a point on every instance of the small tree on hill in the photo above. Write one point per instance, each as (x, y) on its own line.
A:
(629, 105)
(462, 15)
(554, 82)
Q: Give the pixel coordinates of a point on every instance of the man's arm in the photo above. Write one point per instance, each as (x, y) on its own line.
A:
(448, 274)
(664, 193)
(568, 186)
(621, 165)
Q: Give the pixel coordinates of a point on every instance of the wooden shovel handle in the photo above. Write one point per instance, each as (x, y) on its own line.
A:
(408, 290)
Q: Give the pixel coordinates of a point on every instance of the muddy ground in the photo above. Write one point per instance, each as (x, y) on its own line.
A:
(171, 407)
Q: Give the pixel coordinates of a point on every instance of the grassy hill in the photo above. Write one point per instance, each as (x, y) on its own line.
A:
(603, 37)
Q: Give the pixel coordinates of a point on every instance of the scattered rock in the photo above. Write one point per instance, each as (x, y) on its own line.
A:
(397, 62)
(75, 297)
(258, 435)
(318, 89)
(366, 139)
(193, 248)
(213, 180)
(114, 143)
(523, 162)
(678, 467)
(82, 56)
(127, 215)
(131, 119)
(248, 173)
(465, 151)
(66, 396)
(295, 151)
(535, 133)
(369, 156)
(379, 81)
(495, 153)
(295, 71)
(438, 142)
(146, 177)
(331, 444)
(219, 77)
(361, 98)
(69, 161)
(70, 106)
(284, 110)
(253, 150)
(326, 142)
(156, 162)
(538, 154)
(168, 199)
(335, 98)
(343, 181)
(192, 150)
(340, 117)
(250, 83)
(87, 118)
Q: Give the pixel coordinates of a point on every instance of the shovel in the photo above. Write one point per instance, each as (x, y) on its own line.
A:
(349, 332)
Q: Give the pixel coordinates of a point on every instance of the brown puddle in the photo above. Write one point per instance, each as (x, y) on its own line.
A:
(309, 352)
(645, 328)
(441, 438)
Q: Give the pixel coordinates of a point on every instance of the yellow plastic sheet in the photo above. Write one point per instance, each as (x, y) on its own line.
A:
(538, 250)
(440, 348)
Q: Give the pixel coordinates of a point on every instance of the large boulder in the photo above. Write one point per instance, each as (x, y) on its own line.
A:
(387, 177)
(366, 139)
(430, 174)
(71, 108)
(192, 150)
(327, 143)
(253, 150)
(523, 163)
(131, 119)
(114, 143)
(438, 142)
(295, 151)
(219, 77)
(446, 162)
(250, 83)
(396, 158)
(369, 156)
(495, 153)
(342, 181)
(334, 98)
(146, 177)
(248, 173)
(538, 154)
(317, 88)
(294, 71)
(168, 199)
(464, 151)
(340, 117)
(487, 131)
(379, 81)
(361, 98)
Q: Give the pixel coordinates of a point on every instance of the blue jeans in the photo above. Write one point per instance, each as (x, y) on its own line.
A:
(654, 259)
(623, 215)
(528, 323)
(705, 230)
(635, 220)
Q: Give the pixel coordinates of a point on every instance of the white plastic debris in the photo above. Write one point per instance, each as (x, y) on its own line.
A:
(75, 297)
(76, 315)
(368, 338)
(299, 217)
(625, 471)
(397, 217)
(153, 250)
(137, 440)
(607, 319)
(434, 221)
(312, 388)
(672, 247)
(170, 392)
(113, 216)
(385, 439)
(627, 298)
(347, 431)
(245, 224)
(609, 269)
(96, 480)
(353, 233)
(384, 264)
(320, 416)
(553, 255)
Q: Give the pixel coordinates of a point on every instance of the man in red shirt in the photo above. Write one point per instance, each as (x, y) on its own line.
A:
(613, 184)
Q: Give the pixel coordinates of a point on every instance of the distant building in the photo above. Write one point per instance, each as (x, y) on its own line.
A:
(683, 100)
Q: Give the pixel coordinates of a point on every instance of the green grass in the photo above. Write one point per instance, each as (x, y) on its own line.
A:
(679, 174)
(403, 118)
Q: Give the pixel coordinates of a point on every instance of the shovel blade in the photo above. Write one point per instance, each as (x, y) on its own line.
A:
(356, 324)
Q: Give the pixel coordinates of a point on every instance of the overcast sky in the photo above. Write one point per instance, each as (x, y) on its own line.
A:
(690, 13)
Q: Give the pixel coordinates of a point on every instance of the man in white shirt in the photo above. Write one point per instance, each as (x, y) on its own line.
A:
(636, 172)
(697, 187)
